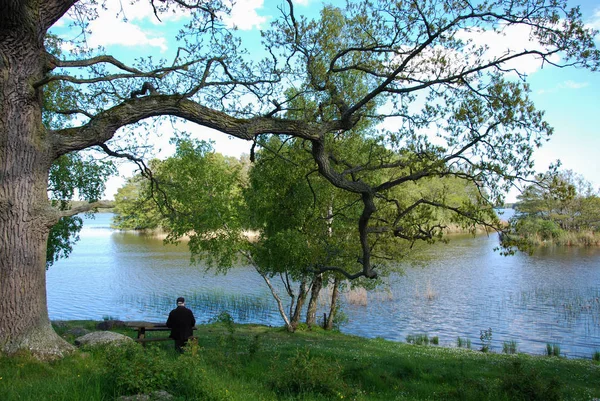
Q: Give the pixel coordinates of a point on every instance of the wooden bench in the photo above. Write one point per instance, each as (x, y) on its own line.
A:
(143, 327)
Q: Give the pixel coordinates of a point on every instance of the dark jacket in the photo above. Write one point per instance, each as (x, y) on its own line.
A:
(181, 321)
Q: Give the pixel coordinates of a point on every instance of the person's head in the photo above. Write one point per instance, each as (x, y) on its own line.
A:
(180, 301)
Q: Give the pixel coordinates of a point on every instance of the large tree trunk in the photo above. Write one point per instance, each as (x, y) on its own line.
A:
(311, 312)
(25, 216)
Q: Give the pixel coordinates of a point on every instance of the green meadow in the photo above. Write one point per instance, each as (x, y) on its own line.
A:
(250, 362)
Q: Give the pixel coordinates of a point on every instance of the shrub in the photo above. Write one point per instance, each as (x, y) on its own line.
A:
(306, 374)
(528, 384)
(486, 339)
(226, 320)
(548, 230)
(596, 356)
(133, 369)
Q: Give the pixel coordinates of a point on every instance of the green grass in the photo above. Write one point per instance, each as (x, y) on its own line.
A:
(250, 362)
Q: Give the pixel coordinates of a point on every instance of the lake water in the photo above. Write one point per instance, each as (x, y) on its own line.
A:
(453, 290)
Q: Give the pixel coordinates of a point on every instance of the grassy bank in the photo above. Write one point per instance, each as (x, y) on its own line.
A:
(248, 362)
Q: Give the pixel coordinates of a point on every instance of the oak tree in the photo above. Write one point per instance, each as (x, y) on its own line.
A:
(418, 60)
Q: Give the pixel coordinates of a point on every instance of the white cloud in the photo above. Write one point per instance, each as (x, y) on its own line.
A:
(244, 15)
(510, 40)
(595, 20)
(573, 85)
(569, 84)
(124, 23)
(301, 2)
(118, 32)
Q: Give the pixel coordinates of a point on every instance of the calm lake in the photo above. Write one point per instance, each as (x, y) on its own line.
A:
(455, 289)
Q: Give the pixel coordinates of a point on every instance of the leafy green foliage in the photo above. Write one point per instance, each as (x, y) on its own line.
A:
(558, 204)
(486, 339)
(73, 175)
(61, 239)
(203, 201)
(76, 174)
(304, 222)
(134, 210)
(135, 370)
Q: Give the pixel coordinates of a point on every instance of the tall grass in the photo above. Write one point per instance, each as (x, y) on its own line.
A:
(552, 349)
(509, 347)
(567, 238)
(242, 307)
(429, 293)
(356, 296)
(463, 343)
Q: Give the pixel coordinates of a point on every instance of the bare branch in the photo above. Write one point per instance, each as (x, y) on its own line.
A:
(85, 208)
(92, 61)
(103, 126)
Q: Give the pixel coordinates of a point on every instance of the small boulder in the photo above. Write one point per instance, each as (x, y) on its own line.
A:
(101, 338)
(109, 324)
(76, 332)
(60, 324)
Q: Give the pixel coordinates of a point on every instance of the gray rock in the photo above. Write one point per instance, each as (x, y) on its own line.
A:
(60, 324)
(155, 396)
(110, 324)
(76, 332)
(101, 338)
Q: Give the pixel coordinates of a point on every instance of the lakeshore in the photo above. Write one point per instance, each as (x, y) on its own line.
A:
(254, 362)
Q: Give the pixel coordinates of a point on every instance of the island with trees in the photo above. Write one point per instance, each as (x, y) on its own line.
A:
(560, 208)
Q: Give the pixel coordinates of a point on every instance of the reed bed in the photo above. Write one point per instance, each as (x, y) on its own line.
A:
(207, 305)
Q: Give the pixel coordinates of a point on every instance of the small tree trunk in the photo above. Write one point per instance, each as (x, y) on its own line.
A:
(333, 307)
(286, 320)
(302, 293)
(311, 312)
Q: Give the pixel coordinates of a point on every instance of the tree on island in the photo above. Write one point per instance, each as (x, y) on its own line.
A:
(559, 208)
(419, 63)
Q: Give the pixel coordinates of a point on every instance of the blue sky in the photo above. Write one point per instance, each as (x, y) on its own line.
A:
(569, 97)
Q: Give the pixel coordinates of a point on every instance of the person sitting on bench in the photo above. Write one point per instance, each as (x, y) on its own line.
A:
(181, 322)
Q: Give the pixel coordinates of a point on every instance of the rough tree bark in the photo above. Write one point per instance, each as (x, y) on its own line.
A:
(25, 214)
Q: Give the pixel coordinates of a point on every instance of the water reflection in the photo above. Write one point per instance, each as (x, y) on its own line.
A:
(448, 290)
